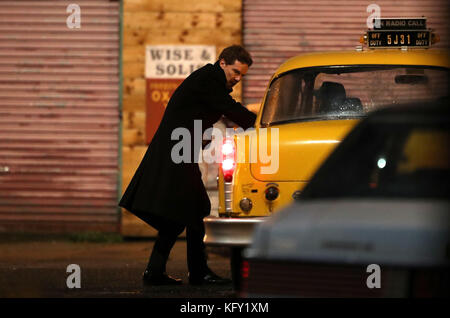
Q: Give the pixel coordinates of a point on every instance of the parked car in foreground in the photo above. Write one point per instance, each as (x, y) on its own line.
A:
(312, 102)
(379, 205)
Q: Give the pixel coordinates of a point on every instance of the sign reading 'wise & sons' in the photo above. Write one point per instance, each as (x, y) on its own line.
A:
(166, 66)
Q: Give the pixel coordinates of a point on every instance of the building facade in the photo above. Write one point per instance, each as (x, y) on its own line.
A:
(73, 89)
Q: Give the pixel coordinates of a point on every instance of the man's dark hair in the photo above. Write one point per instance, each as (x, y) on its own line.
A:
(236, 52)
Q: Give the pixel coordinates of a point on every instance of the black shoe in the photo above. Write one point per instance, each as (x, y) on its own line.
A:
(160, 279)
(209, 278)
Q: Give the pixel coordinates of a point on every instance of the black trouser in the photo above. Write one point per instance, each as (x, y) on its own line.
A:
(168, 232)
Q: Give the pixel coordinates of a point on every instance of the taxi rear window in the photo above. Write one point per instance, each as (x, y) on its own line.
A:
(349, 91)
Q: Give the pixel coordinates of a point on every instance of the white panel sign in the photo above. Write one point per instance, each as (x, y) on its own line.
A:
(176, 61)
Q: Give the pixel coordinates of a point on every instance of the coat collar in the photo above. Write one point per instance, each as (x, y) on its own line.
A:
(220, 75)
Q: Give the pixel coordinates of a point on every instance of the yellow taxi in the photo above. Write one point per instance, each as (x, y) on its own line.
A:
(311, 103)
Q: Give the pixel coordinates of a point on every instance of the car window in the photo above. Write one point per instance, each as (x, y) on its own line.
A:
(424, 150)
(388, 160)
(349, 91)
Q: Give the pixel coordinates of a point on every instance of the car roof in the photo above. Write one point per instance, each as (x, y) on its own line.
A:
(438, 111)
(425, 57)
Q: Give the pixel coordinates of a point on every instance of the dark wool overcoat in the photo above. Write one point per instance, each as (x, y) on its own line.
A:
(172, 190)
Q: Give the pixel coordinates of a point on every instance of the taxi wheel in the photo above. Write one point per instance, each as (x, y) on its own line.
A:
(236, 264)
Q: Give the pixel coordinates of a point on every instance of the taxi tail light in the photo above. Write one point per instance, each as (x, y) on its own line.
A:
(245, 269)
(228, 159)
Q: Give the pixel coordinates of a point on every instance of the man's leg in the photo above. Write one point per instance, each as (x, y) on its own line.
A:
(196, 255)
(199, 272)
(161, 249)
(168, 232)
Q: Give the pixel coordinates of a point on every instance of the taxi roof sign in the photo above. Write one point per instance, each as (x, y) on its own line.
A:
(400, 23)
(399, 33)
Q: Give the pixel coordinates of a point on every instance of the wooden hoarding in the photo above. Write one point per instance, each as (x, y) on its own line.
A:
(166, 66)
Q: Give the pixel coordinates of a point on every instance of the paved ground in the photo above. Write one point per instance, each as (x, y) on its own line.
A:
(38, 269)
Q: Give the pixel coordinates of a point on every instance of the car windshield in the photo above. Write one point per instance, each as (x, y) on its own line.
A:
(388, 160)
(349, 91)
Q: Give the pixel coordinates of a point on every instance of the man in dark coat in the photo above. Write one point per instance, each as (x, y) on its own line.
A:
(171, 196)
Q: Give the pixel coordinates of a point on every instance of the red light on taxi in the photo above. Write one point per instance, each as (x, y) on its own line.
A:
(228, 164)
(228, 159)
(245, 269)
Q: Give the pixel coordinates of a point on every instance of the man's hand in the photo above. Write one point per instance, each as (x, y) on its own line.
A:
(254, 108)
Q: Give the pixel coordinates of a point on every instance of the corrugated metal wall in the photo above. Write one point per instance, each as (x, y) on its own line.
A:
(276, 30)
(59, 116)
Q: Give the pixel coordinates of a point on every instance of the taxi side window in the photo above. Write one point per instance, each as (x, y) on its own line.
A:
(284, 98)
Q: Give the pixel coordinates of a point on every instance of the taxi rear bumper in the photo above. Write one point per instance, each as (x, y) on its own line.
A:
(225, 231)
